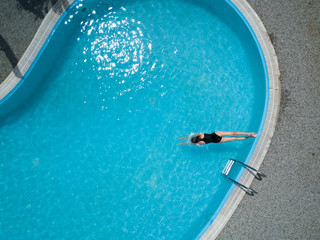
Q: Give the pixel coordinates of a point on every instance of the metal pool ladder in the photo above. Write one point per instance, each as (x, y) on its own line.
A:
(257, 174)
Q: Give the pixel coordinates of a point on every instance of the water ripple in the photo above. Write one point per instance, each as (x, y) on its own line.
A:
(116, 48)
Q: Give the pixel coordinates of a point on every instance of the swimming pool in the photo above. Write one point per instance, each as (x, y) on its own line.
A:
(95, 151)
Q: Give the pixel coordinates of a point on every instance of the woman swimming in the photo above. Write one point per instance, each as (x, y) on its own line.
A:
(216, 137)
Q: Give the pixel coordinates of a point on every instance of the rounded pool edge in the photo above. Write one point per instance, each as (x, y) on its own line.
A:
(15, 78)
(270, 121)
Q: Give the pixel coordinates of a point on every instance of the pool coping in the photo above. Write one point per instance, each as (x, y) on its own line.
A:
(42, 34)
(270, 122)
(262, 146)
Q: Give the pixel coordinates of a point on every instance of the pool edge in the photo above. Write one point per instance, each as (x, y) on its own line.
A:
(270, 121)
(15, 78)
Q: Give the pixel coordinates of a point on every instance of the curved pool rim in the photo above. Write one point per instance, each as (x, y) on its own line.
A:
(267, 127)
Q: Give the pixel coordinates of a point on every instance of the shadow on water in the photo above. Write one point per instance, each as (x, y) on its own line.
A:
(232, 148)
(4, 46)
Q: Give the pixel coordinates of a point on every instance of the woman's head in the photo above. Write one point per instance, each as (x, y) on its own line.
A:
(195, 139)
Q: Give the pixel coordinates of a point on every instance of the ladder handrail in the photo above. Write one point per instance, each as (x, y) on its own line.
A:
(257, 174)
(248, 190)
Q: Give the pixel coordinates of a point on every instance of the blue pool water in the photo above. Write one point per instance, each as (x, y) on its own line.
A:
(89, 141)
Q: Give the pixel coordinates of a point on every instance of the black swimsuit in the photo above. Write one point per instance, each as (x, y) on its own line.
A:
(213, 137)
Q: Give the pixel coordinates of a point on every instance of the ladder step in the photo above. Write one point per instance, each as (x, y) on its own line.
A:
(228, 167)
(257, 174)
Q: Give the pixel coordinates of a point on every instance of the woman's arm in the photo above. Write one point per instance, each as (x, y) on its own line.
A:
(182, 138)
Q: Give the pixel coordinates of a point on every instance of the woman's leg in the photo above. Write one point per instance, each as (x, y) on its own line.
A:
(229, 139)
(224, 133)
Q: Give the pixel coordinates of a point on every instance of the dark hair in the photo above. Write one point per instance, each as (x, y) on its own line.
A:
(195, 139)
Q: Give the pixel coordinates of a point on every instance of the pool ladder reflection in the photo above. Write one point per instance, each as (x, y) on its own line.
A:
(257, 174)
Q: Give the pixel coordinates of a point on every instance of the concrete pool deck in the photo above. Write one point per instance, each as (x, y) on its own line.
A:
(287, 206)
